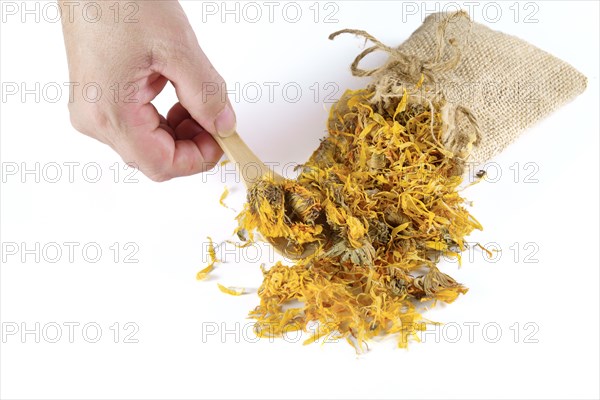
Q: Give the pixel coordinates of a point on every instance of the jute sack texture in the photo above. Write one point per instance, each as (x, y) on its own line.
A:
(489, 86)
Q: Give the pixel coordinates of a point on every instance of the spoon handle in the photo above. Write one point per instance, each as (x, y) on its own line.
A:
(249, 166)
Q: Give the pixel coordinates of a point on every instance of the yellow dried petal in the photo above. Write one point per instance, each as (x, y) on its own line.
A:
(401, 107)
(436, 245)
(231, 291)
(211, 250)
(204, 272)
(223, 197)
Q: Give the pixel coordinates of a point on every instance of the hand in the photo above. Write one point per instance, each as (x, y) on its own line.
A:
(131, 63)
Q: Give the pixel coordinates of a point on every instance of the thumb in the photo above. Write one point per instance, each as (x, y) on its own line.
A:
(202, 91)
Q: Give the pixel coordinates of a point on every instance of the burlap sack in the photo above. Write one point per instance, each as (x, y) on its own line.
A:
(489, 86)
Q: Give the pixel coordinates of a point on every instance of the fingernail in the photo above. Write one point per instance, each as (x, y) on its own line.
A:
(225, 123)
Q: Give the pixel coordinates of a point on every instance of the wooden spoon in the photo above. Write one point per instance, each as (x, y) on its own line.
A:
(251, 169)
(249, 166)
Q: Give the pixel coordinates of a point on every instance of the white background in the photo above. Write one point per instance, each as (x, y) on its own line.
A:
(555, 217)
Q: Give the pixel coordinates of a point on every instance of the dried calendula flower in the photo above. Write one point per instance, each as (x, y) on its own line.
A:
(437, 285)
(380, 197)
(283, 212)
